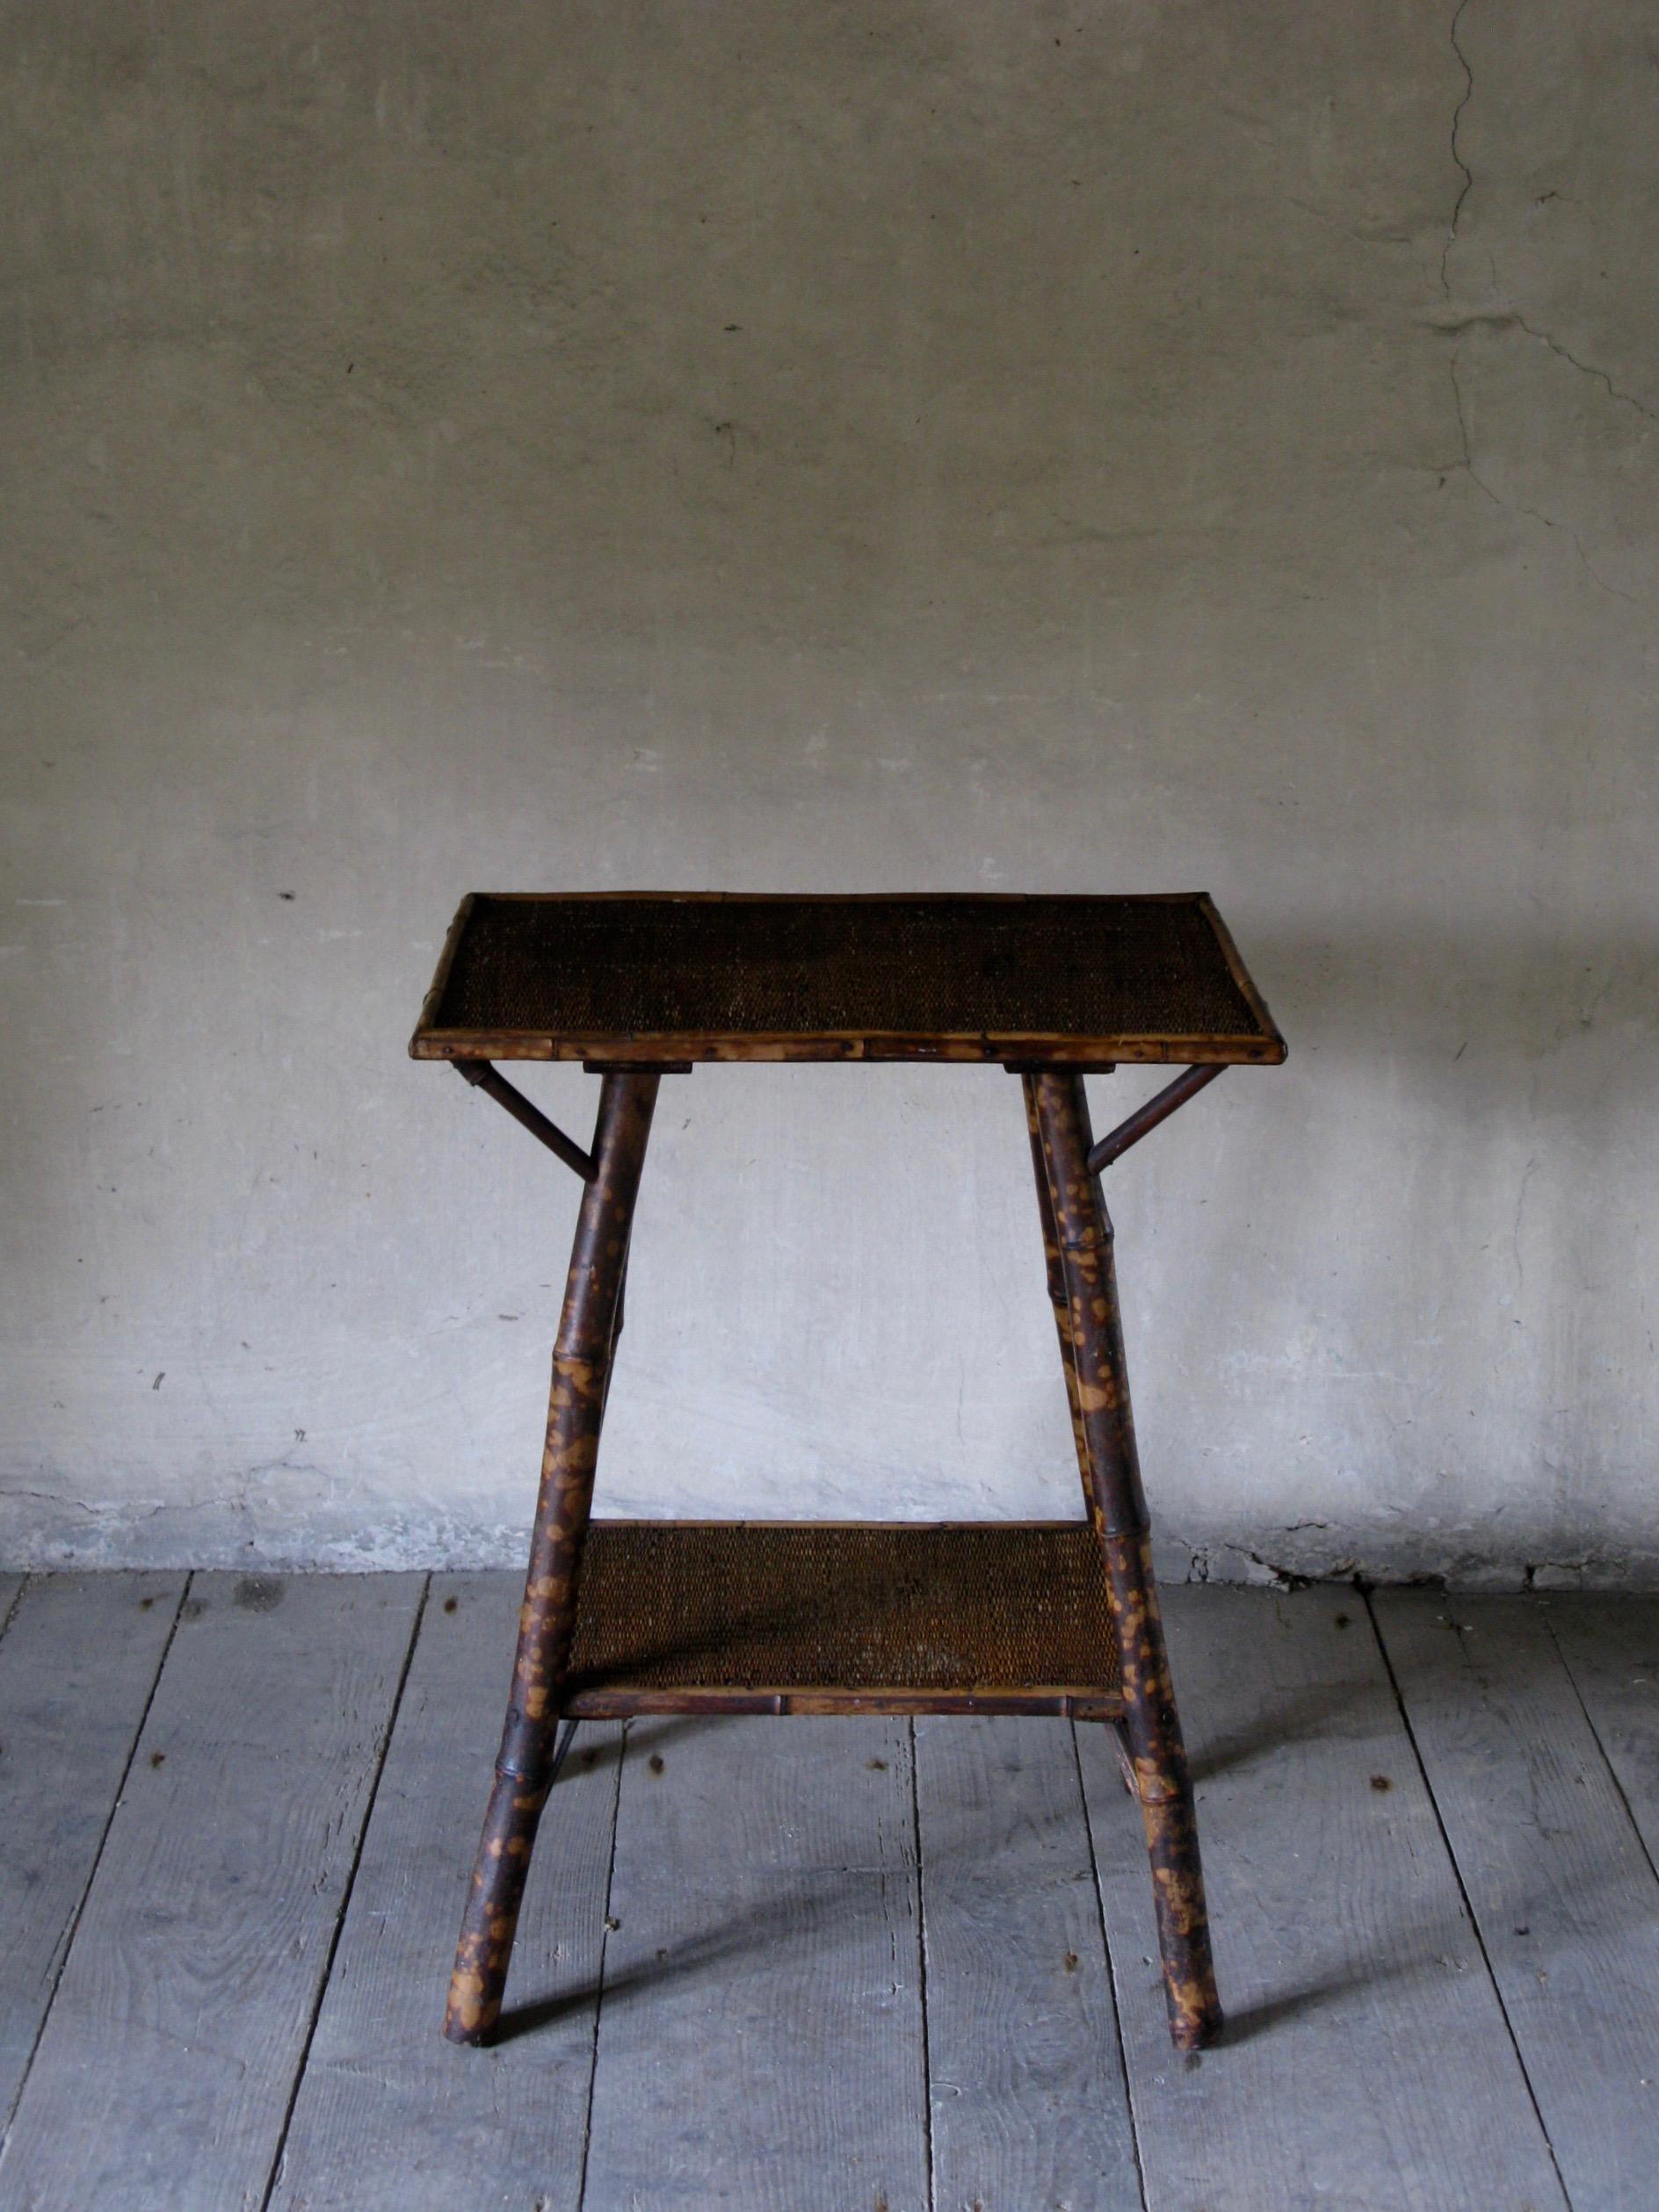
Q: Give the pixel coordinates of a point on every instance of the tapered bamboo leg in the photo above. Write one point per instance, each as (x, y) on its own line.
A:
(588, 1328)
(1060, 1300)
(1079, 1234)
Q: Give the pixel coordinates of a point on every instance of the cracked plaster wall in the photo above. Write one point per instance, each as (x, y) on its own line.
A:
(1101, 447)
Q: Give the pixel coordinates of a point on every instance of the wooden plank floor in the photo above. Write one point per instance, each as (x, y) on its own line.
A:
(821, 1965)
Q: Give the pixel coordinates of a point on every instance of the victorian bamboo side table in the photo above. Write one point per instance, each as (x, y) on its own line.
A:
(624, 1618)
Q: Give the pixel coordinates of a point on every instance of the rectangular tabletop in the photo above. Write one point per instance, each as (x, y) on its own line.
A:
(673, 976)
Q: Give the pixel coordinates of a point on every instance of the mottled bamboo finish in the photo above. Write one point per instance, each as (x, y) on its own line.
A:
(1059, 1300)
(1077, 1232)
(588, 1326)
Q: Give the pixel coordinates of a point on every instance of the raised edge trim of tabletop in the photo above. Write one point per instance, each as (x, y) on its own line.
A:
(658, 1048)
(1241, 976)
(434, 997)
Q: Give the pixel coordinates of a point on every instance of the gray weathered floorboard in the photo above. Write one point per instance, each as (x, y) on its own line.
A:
(1366, 2065)
(77, 1665)
(1564, 1895)
(390, 2115)
(759, 2039)
(165, 2072)
(1030, 2106)
(760, 2029)
(1611, 1645)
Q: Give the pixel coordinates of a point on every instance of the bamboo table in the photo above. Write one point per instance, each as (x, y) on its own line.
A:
(623, 1617)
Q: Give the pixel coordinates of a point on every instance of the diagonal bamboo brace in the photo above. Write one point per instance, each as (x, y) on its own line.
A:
(494, 1085)
(1146, 1118)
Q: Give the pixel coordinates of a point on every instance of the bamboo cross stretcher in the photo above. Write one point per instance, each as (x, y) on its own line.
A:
(625, 1617)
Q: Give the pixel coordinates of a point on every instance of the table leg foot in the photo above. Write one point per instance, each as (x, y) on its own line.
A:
(491, 1917)
(1183, 1925)
(1163, 1787)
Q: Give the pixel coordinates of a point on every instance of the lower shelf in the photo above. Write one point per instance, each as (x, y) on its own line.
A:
(816, 1617)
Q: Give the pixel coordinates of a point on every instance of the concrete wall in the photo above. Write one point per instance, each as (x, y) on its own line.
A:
(1109, 447)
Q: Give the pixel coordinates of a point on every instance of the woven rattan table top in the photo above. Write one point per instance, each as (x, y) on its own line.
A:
(666, 977)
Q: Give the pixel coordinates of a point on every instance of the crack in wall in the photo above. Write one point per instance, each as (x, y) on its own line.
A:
(1587, 368)
(1509, 319)
(1512, 319)
(1467, 185)
(1466, 451)
(1527, 1173)
(1466, 463)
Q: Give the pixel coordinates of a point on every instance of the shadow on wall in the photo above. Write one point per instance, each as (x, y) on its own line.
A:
(1471, 1382)
(1483, 1048)
(1430, 1000)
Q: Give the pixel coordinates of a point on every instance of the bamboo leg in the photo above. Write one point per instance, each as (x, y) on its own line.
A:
(1061, 1305)
(1091, 1341)
(524, 1768)
(1060, 1300)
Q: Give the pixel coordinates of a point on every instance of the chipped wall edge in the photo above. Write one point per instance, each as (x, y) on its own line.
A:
(42, 1536)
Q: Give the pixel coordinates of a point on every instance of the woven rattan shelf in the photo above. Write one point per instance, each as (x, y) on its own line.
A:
(674, 978)
(815, 1617)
